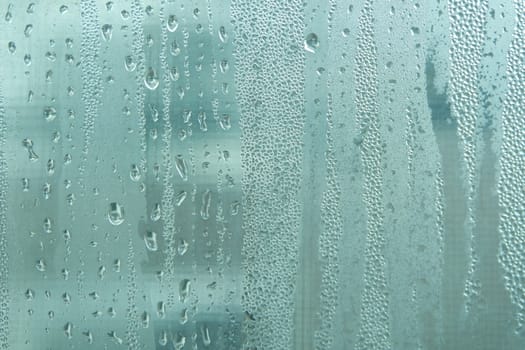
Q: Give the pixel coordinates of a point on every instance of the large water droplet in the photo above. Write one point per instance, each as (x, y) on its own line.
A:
(180, 165)
(151, 79)
(184, 289)
(107, 31)
(180, 197)
(115, 214)
(150, 239)
(172, 23)
(311, 42)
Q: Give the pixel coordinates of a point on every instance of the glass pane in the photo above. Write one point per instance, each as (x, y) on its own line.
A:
(249, 175)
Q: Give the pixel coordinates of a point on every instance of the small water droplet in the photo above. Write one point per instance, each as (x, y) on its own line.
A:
(163, 338)
(63, 9)
(134, 173)
(27, 59)
(40, 265)
(145, 319)
(225, 122)
(28, 30)
(182, 247)
(11, 46)
(174, 48)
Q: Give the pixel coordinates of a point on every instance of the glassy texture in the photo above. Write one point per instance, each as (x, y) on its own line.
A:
(245, 174)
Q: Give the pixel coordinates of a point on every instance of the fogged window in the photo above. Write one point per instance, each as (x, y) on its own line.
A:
(245, 174)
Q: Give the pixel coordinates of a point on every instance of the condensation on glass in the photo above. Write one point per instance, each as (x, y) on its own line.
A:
(249, 175)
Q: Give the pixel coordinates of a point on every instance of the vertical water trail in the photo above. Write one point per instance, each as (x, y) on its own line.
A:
(269, 83)
(467, 37)
(4, 272)
(91, 77)
(511, 182)
(374, 331)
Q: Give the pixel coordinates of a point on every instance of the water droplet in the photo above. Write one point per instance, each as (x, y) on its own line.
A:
(145, 319)
(25, 184)
(68, 328)
(101, 272)
(113, 335)
(202, 121)
(161, 309)
(63, 9)
(149, 10)
(205, 333)
(115, 214)
(89, 336)
(163, 338)
(179, 341)
(11, 46)
(69, 43)
(184, 289)
(66, 297)
(174, 48)
(47, 225)
(346, 32)
(172, 23)
(223, 36)
(9, 15)
(50, 113)
(150, 239)
(311, 43)
(129, 64)
(183, 316)
(30, 294)
(28, 144)
(50, 167)
(151, 79)
(225, 122)
(155, 212)
(134, 173)
(180, 165)
(180, 197)
(206, 203)
(40, 265)
(124, 14)
(414, 30)
(28, 30)
(174, 74)
(182, 247)
(107, 31)
(224, 66)
(27, 59)
(112, 312)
